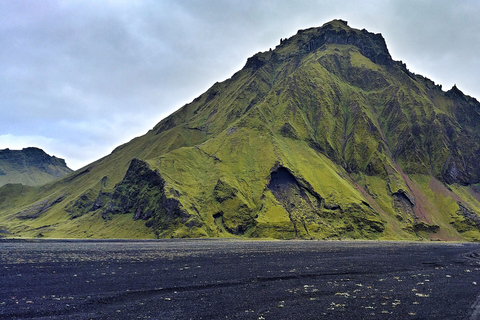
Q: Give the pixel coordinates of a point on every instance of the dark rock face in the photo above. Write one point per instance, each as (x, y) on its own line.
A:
(470, 216)
(422, 226)
(371, 45)
(297, 200)
(255, 63)
(38, 208)
(142, 193)
(133, 193)
(403, 202)
(288, 131)
(283, 182)
(33, 157)
(463, 132)
(305, 206)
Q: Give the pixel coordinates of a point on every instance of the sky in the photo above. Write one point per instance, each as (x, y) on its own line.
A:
(79, 78)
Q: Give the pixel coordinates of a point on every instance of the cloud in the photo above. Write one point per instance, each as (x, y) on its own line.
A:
(91, 75)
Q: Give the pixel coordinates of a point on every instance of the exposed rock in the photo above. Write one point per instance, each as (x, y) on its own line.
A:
(255, 62)
(32, 157)
(284, 185)
(305, 206)
(288, 131)
(404, 195)
(455, 173)
(142, 193)
(38, 208)
(470, 216)
(455, 93)
(82, 204)
(371, 45)
(425, 227)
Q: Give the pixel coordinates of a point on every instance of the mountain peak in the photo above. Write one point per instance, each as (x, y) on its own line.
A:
(337, 23)
(455, 92)
(30, 166)
(371, 45)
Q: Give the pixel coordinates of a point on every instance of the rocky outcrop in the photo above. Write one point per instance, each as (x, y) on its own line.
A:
(371, 45)
(139, 193)
(404, 203)
(308, 209)
(37, 209)
(142, 193)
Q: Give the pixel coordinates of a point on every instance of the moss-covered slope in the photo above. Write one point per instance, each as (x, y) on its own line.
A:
(323, 137)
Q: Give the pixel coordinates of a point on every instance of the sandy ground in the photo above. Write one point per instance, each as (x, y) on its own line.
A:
(219, 279)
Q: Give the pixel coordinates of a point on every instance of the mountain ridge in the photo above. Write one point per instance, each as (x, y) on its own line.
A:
(323, 137)
(30, 166)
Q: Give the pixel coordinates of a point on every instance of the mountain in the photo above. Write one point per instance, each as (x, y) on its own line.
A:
(323, 137)
(30, 166)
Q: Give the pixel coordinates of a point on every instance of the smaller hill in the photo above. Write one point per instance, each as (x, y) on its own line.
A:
(30, 166)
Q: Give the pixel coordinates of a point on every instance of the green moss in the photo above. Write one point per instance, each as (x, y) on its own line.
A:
(371, 150)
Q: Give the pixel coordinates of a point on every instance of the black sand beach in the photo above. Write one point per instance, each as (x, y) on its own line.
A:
(221, 279)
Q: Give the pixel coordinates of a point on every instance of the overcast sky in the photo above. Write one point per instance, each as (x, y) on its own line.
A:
(78, 78)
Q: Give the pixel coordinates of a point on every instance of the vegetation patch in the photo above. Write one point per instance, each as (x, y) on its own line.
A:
(324, 137)
(34, 211)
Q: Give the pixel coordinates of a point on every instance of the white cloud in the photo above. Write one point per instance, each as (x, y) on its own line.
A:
(20, 142)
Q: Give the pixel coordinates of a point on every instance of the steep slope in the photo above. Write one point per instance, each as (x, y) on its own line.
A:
(323, 137)
(30, 166)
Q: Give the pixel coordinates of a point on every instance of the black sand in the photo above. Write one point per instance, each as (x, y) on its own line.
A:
(217, 279)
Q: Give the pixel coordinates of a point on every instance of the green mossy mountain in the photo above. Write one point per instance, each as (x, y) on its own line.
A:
(30, 166)
(323, 137)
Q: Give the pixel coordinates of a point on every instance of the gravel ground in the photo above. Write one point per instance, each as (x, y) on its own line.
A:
(221, 279)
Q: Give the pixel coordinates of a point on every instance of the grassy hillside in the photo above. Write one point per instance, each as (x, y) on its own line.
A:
(30, 166)
(325, 137)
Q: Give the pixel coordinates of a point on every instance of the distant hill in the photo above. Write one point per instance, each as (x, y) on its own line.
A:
(323, 137)
(30, 166)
